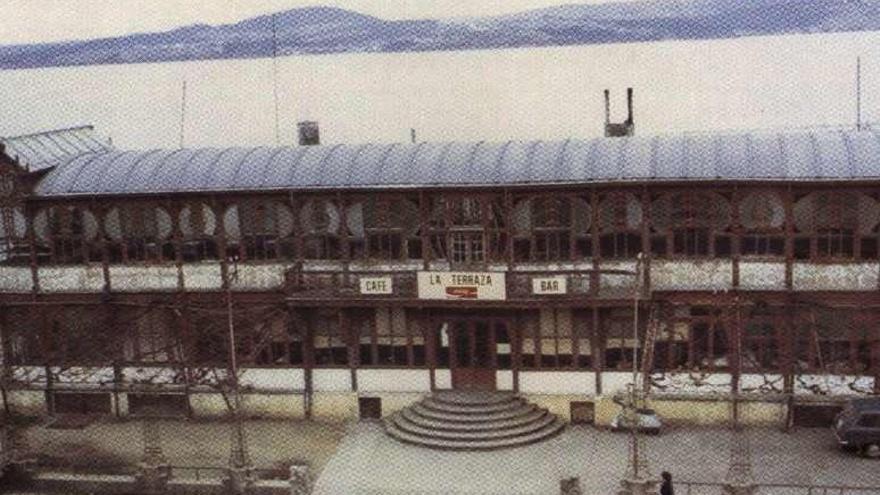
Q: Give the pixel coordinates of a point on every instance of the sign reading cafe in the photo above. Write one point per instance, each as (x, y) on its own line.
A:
(462, 285)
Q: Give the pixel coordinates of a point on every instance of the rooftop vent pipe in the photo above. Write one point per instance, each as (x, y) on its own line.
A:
(309, 133)
(627, 128)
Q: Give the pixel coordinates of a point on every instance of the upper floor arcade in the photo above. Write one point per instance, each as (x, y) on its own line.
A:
(784, 200)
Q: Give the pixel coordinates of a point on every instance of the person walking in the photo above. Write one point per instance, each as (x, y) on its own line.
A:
(666, 486)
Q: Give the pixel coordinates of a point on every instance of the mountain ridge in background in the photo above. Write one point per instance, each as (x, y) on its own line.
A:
(317, 30)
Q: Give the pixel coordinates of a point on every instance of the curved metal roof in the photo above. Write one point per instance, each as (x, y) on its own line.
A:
(814, 155)
(46, 149)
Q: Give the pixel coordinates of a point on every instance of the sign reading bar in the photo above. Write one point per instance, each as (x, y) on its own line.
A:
(549, 285)
(376, 285)
(462, 285)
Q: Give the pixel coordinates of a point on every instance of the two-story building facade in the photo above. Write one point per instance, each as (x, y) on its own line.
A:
(392, 270)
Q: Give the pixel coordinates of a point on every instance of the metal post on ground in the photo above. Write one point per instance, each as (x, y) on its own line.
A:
(240, 471)
(153, 471)
(637, 480)
(739, 480)
(570, 486)
(300, 481)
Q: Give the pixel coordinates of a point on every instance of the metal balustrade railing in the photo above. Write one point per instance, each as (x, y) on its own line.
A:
(717, 488)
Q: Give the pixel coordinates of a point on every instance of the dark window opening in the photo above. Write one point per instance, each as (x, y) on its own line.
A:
(658, 245)
(869, 248)
(620, 245)
(761, 245)
(691, 242)
(834, 243)
(802, 248)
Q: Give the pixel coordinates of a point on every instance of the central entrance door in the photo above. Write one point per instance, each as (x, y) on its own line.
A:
(472, 349)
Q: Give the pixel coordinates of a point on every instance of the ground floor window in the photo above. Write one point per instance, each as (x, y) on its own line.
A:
(386, 337)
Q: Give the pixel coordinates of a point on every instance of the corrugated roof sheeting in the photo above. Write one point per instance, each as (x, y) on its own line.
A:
(815, 155)
(46, 149)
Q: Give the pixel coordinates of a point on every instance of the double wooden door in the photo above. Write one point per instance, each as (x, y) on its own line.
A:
(473, 346)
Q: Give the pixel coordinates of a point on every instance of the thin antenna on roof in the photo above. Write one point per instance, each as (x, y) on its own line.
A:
(858, 93)
(182, 113)
(275, 76)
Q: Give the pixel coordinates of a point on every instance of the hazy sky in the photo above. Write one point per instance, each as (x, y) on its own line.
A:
(28, 21)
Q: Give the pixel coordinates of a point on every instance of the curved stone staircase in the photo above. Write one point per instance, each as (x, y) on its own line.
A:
(472, 421)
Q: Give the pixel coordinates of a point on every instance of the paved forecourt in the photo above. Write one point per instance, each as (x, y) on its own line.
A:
(369, 462)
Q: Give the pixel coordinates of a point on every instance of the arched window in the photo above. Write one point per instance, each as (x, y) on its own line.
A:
(67, 234)
(762, 218)
(138, 232)
(551, 228)
(691, 224)
(258, 230)
(384, 228)
(467, 229)
(620, 225)
(320, 225)
(198, 224)
(13, 233)
(833, 224)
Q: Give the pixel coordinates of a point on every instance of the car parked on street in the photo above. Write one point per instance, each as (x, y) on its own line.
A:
(857, 427)
(647, 420)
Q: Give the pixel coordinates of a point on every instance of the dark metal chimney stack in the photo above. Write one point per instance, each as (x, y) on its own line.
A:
(309, 133)
(627, 127)
(629, 107)
(607, 108)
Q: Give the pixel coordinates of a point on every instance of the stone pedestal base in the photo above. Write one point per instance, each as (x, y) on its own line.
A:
(570, 486)
(19, 470)
(739, 489)
(300, 482)
(638, 487)
(153, 478)
(239, 480)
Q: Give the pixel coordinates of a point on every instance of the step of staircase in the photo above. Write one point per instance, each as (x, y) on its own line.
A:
(476, 444)
(445, 406)
(414, 418)
(434, 414)
(472, 421)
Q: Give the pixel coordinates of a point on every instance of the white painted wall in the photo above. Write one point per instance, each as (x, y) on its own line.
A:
(557, 382)
(149, 375)
(15, 279)
(396, 380)
(833, 385)
(691, 275)
(139, 278)
(83, 376)
(29, 375)
(202, 276)
(836, 276)
(442, 379)
(504, 380)
(758, 275)
(259, 276)
(616, 285)
(615, 381)
(331, 380)
(553, 266)
(756, 383)
(384, 266)
(691, 383)
(273, 378)
(71, 278)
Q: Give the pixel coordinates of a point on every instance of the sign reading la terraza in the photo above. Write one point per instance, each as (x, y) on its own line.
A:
(549, 285)
(462, 285)
(376, 285)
